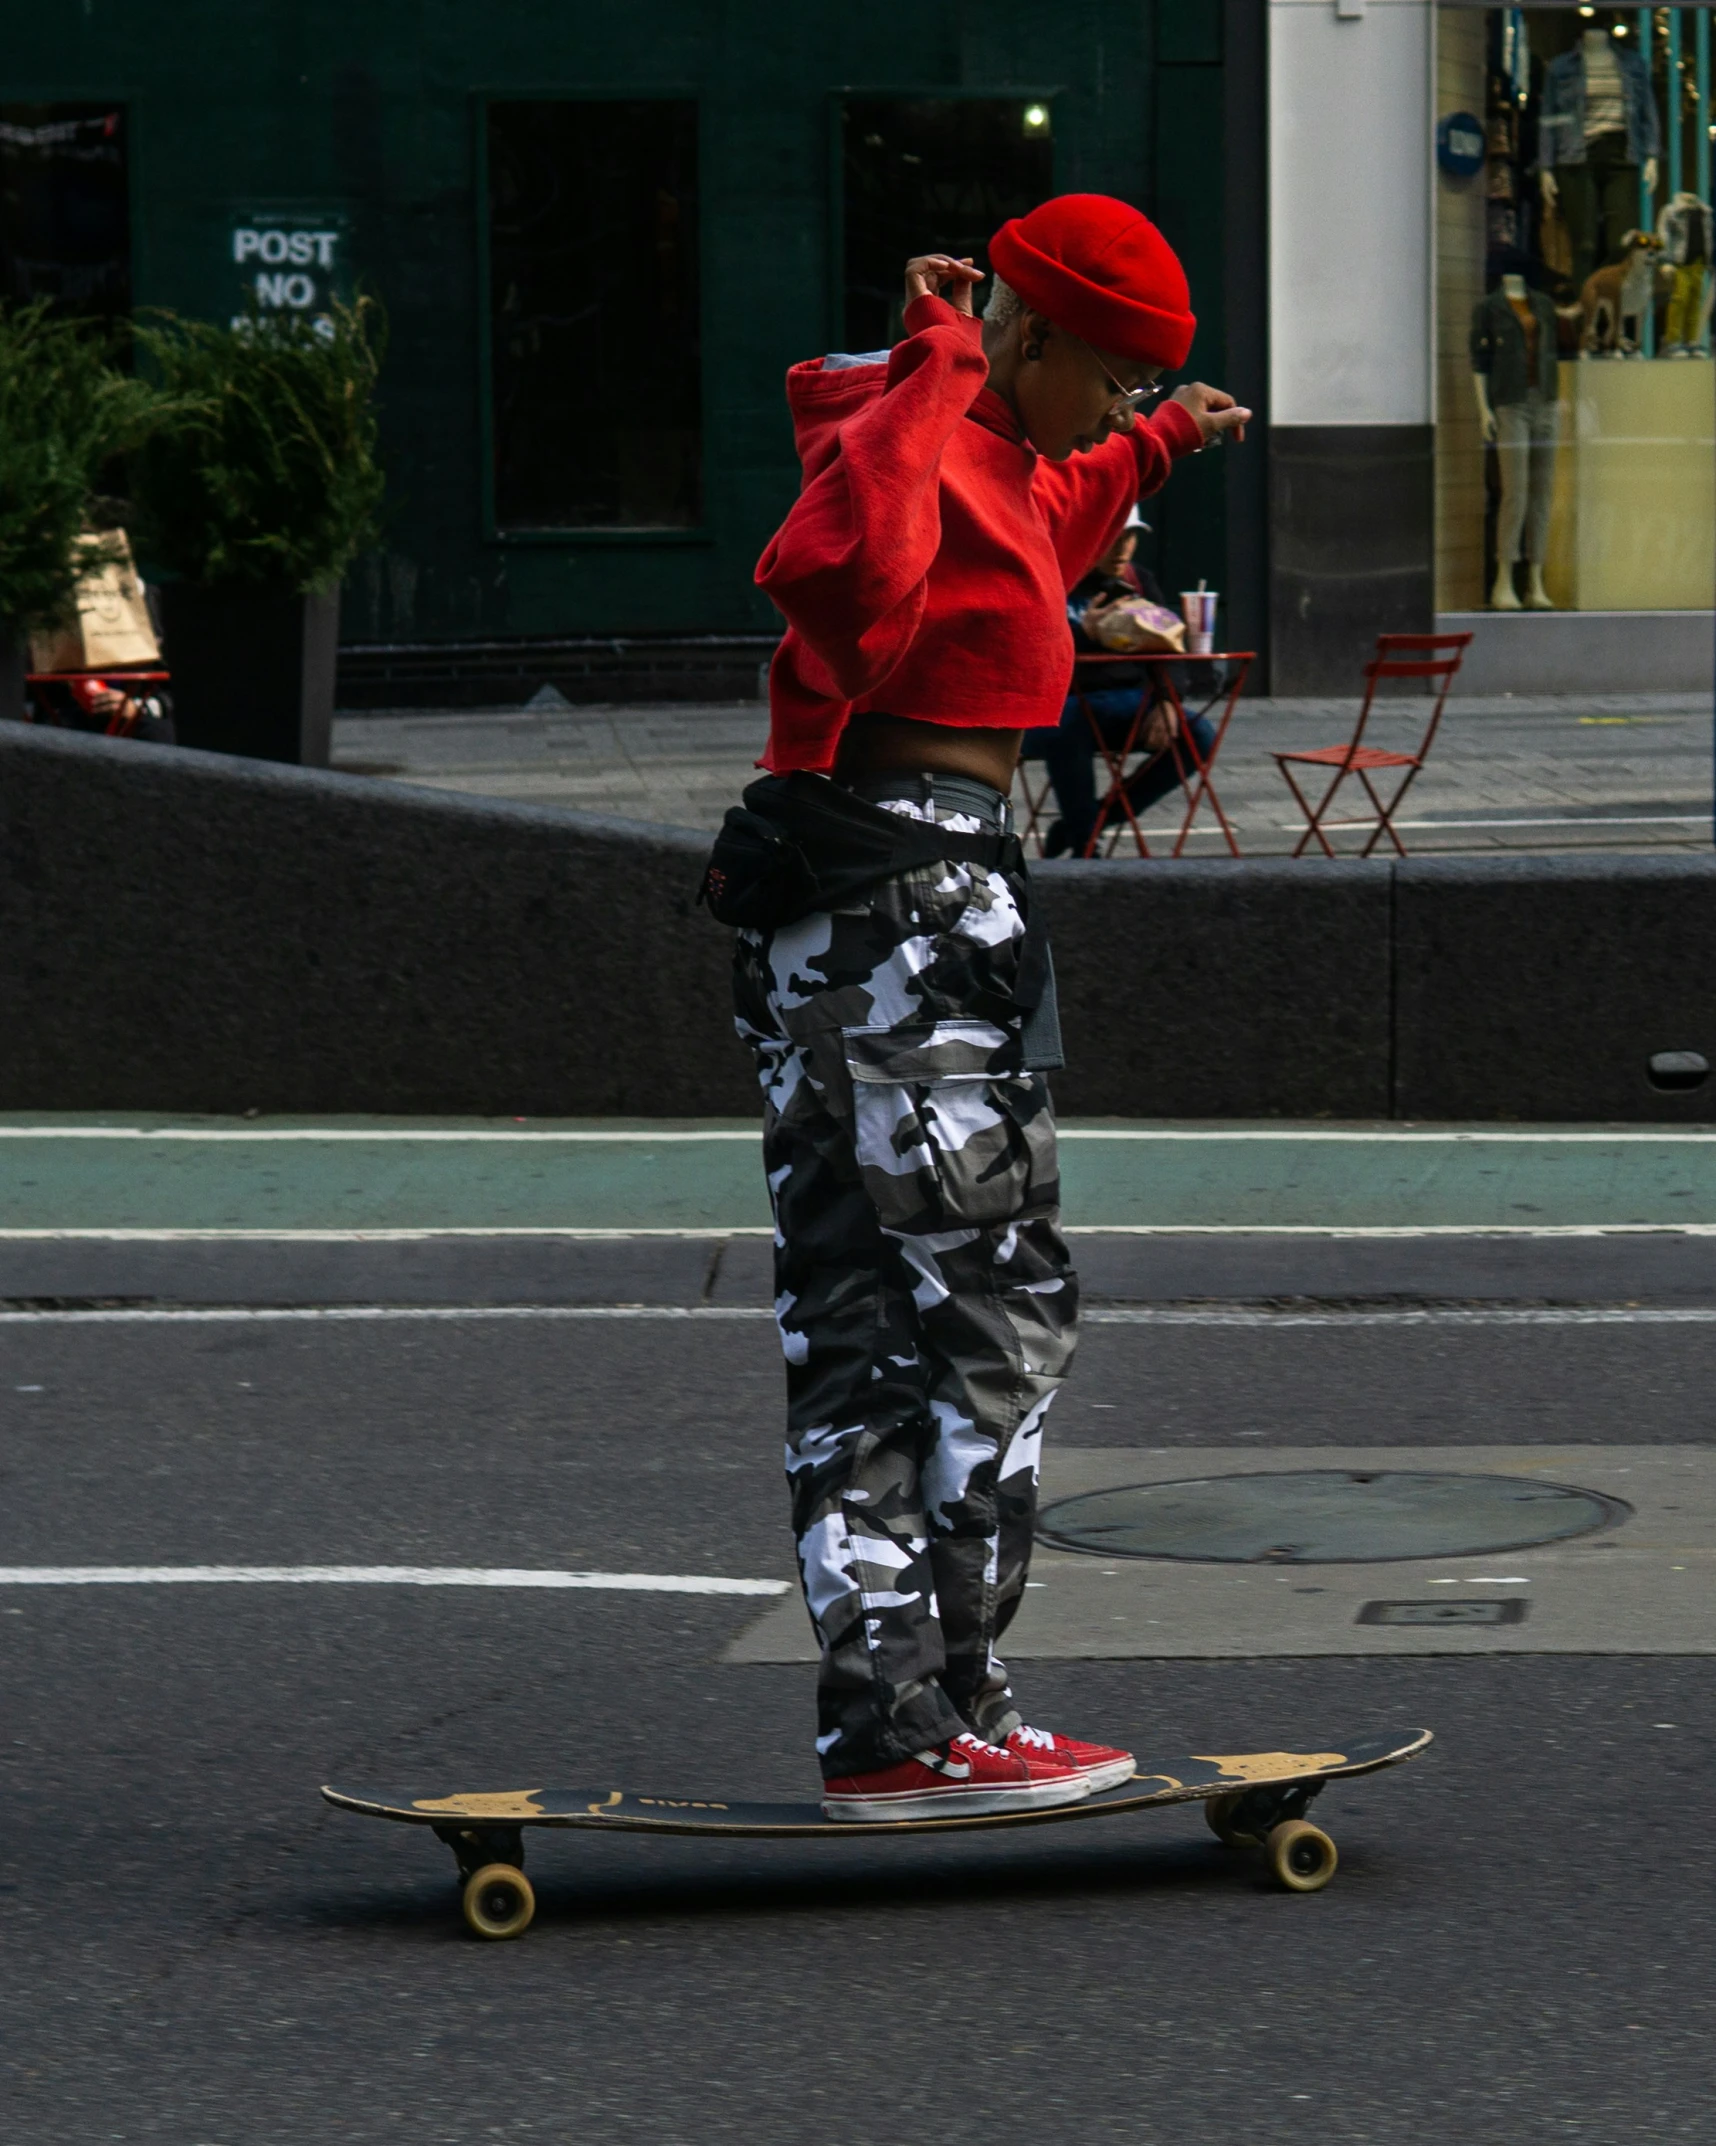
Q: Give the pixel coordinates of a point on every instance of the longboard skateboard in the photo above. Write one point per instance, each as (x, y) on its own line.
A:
(1252, 1799)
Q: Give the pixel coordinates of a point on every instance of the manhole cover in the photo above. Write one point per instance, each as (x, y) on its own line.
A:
(1323, 1516)
(1443, 1613)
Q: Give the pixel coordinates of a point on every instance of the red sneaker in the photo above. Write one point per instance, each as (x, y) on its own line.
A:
(966, 1778)
(1101, 1765)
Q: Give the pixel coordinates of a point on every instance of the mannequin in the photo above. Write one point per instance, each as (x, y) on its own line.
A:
(1684, 228)
(1516, 383)
(1600, 137)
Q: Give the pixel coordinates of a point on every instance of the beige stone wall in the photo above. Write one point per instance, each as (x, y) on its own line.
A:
(1460, 34)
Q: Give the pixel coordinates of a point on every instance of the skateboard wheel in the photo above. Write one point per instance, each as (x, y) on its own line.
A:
(1218, 1814)
(498, 1901)
(1302, 1856)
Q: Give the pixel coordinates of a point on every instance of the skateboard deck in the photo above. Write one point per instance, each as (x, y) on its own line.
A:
(1253, 1798)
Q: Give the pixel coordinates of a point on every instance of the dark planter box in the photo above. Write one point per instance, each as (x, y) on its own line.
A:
(14, 650)
(253, 670)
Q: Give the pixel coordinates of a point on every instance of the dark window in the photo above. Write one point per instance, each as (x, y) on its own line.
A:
(593, 315)
(931, 175)
(65, 220)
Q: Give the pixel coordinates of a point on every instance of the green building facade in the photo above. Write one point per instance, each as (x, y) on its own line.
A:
(601, 233)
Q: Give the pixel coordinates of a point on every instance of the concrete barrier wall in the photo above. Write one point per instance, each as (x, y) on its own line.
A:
(1225, 988)
(1541, 987)
(185, 932)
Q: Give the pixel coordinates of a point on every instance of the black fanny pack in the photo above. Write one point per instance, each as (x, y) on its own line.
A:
(800, 842)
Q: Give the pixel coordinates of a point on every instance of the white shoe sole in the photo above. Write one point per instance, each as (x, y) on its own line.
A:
(954, 1802)
(1111, 1775)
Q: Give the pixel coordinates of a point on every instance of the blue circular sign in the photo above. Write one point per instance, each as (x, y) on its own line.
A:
(1460, 145)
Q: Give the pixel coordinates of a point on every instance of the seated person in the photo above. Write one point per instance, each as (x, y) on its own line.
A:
(1068, 750)
(99, 702)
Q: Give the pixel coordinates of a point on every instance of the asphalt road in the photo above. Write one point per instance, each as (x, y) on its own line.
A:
(1517, 1947)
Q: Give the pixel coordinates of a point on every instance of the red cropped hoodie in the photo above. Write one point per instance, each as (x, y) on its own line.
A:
(924, 568)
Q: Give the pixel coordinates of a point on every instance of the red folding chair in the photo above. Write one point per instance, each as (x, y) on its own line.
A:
(82, 687)
(1034, 806)
(1194, 769)
(1398, 655)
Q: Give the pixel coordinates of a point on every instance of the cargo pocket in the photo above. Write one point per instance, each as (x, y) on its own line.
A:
(950, 1132)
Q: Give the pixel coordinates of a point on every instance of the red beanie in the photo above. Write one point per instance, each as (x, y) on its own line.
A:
(1100, 269)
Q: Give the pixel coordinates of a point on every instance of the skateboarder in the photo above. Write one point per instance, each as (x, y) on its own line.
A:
(955, 488)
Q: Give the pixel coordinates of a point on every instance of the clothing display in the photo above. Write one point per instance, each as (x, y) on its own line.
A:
(1527, 434)
(1686, 324)
(1564, 122)
(1517, 357)
(1599, 202)
(1516, 366)
(925, 1296)
(1685, 230)
(958, 615)
(1597, 126)
(1577, 262)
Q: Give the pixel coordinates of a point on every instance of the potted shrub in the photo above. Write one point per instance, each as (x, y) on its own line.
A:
(255, 498)
(65, 412)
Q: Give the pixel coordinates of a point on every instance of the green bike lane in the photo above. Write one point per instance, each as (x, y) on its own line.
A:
(109, 1175)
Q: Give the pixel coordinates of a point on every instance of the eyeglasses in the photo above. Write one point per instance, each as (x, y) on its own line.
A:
(1127, 399)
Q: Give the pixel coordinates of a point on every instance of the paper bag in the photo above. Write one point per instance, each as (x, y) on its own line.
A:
(1134, 626)
(112, 625)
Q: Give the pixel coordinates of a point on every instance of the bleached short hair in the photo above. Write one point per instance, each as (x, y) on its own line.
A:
(1004, 305)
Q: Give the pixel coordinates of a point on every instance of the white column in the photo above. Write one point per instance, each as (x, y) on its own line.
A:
(1350, 155)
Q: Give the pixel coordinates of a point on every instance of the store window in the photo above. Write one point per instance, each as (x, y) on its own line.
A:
(1576, 391)
(930, 175)
(65, 214)
(594, 375)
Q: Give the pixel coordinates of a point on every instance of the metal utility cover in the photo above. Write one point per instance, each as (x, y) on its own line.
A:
(1326, 1516)
(1457, 1612)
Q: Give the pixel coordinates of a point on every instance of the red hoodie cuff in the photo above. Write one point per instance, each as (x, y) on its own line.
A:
(1177, 429)
(932, 312)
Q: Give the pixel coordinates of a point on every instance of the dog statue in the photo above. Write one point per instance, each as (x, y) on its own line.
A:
(1616, 299)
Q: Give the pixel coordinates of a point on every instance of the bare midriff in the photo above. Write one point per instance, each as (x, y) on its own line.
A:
(898, 745)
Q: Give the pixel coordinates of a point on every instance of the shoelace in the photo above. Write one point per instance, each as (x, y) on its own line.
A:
(1037, 1737)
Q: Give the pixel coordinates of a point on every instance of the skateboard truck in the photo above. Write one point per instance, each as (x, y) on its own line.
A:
(1301, 1855)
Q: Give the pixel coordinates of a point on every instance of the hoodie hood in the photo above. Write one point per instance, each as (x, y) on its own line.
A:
(821, 397)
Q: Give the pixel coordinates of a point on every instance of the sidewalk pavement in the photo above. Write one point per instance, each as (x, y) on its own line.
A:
(1563, 772)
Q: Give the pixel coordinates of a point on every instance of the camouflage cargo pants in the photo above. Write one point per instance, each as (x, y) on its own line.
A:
(925, 1299)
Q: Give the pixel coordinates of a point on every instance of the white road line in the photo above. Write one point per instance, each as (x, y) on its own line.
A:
(1102, 1315)
(147, 1315)
(643, 1583)
(700, 1233)
(712, 1234)
(1615, 819)
(442, 1134)
(1514, 1136)
(1671, 1135)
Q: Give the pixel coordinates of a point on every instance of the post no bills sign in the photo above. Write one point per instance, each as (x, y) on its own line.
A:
(289, 260)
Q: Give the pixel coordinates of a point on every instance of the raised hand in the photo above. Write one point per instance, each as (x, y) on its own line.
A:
(1219, 416)
(939, 275)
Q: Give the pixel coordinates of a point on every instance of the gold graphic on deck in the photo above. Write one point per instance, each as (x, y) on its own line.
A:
(677, 1803)
(1270, 1765)
(509, 1803)
(615, 1797)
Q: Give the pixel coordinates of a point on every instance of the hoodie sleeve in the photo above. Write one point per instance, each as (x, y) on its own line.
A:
(847, 567)
(1086, 499)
